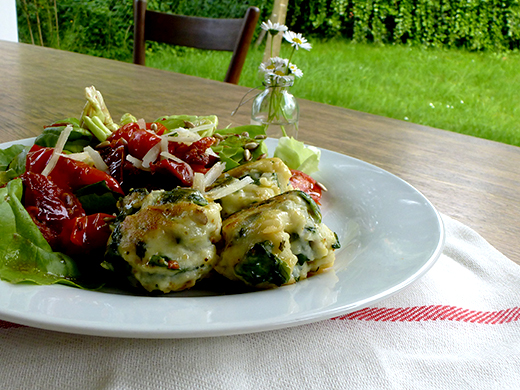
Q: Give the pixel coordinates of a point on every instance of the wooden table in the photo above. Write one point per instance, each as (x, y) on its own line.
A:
(472, 180)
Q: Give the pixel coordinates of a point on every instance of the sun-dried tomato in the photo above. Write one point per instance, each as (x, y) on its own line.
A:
(68, 173)
(302, 181)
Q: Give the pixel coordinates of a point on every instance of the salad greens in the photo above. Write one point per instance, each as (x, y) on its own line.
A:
(208, 124)
(12, 163)
(26, 255)
(127, 118)
(76, 142)
(8, 155)
(98, 198)
(232, 149)
(297, 155)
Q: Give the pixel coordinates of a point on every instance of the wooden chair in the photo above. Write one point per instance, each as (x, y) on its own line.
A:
(203, 33)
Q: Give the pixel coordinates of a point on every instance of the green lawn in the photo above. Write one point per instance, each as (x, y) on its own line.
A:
(470, 93)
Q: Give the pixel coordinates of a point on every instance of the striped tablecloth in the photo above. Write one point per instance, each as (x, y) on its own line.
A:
(458, 327)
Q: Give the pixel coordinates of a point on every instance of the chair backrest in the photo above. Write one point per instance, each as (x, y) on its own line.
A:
(203, 33)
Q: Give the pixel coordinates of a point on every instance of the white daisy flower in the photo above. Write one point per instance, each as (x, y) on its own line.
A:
(280, 78)
(278, 61)
(263, 68)
(297, 40)
(274, 64)
(273, 28)
(295, 71)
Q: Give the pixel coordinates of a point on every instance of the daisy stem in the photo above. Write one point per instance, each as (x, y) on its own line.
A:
(272, 104)
(291, 56)
(275, 103)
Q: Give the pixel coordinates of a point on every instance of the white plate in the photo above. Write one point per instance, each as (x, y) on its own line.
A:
(390, 235)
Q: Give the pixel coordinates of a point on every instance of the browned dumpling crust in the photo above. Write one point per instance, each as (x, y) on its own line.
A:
(169, 243)
(276, 242)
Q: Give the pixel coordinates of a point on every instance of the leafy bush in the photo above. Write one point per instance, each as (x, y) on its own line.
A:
(105, 27)
(471, 24)
(211, 8)
(97, 27)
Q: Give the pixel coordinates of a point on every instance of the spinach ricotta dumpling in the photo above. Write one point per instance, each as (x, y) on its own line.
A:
(165, 240)
(270, 177)
(279, 241)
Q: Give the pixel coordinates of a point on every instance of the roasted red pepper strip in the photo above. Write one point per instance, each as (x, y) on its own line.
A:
(50, 231)
(182, 171)
(56, 210)
(53, 203)
(60, 217)
(37, 158)
(49, 205)
(85, 234)
(139, 141)
(195, 153)
(160, 129)
(302, 181)
(68, 173)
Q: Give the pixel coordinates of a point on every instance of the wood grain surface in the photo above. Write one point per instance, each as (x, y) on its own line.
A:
(472, 180)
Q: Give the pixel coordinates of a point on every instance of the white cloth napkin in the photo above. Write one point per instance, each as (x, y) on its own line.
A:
(458, 327)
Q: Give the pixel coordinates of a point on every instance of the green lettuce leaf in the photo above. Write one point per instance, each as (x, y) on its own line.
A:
(127, 118)
(78, 138)
(8, 155)
(175, 121)
(18, 163)
(25, 255)
(297, 155)
(98, 198)
(252, 130)
(12, 162)
(7, 176)
(231, 149)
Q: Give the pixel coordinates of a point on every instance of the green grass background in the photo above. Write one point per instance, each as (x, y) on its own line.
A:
(475, 93)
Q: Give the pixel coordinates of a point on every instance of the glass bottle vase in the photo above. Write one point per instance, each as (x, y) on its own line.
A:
(276, 108)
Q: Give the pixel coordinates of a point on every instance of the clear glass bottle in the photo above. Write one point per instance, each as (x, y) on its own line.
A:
(276, 108)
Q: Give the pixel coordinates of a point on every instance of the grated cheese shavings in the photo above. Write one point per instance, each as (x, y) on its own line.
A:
(62, 140)
(184, 136)
(141, 123)
(214, 172)
(134, 161)
(151, 155)
(81, 156)
(198, 182)
(96, 157)
(223, 191)
(203, 127)
(164, 143)
(170, 156)
(211, 152)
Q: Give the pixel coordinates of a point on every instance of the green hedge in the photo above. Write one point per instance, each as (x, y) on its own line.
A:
(97, 27)
(104, 27)
(471, 24)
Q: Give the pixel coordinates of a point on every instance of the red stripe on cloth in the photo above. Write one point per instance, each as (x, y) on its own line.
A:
(433, 313)
(9, 325)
